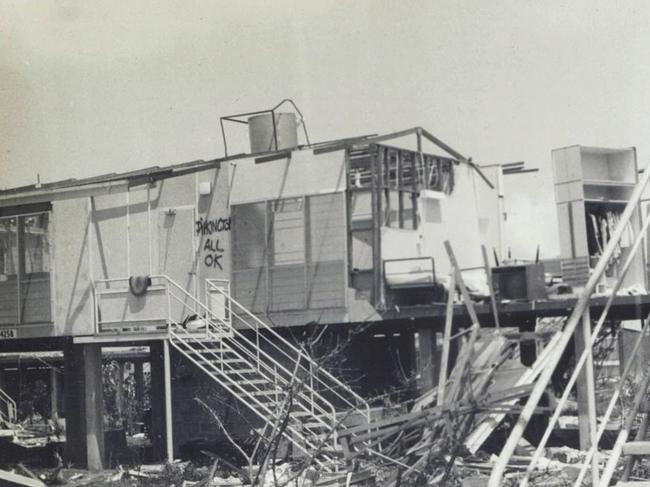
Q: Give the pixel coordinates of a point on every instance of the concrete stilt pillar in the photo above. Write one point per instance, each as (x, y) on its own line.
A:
(84, 406)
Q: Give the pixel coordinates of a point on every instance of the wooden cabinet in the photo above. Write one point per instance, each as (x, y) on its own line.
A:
(592, 187)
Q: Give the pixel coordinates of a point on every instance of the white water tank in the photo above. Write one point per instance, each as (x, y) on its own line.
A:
(260, 131)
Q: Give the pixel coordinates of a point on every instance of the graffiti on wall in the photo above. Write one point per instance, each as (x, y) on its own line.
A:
(212, 249)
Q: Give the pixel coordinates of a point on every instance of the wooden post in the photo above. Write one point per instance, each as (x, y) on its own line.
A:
(586, 391)
(55, 393)
(377, 223)
(469, 345)
(139, 387)
(119, 390)
(461, 284)
(444, 360)
(493, 300)
(168, 404)
(94, 406)
(424, 358)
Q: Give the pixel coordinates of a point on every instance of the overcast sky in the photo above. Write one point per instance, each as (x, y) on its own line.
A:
(88, 87)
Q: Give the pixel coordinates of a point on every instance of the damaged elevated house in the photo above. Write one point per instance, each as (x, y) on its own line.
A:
(348, 302)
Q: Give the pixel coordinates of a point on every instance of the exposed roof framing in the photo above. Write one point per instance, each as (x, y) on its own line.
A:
(143, 176)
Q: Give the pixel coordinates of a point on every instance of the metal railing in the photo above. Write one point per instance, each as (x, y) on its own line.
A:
(233, 380)
(266, 337)
(8, 411)
(242, 336)
(580, 314)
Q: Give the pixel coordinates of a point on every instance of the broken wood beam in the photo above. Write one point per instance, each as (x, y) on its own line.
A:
(444, 360)
(493, 299)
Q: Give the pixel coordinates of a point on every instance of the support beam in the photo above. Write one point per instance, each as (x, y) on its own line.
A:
(169, 428)
(138, 374)
(94, 411)
(446, 340)
(55, 392)
(426, 359)
(586, 393)
(84, 406)
(119, 390)
(73, 406)
(528, 349)
(585, 383)
(161, 412)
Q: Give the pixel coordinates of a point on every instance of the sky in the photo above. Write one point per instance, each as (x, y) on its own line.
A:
(88, 87)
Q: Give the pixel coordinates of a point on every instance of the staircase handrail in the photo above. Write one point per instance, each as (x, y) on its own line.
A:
(234, 384)
(316, 372)
(260, 353)
(360, 401)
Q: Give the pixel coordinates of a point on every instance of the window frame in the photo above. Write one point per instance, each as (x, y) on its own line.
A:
(20, 273)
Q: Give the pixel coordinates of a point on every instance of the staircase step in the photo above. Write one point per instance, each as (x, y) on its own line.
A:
(300, 414)
(250, 382)
(230, 361)
(636, 448)
(242, 371)
(316, 424)
(211, 350)
(270, 392)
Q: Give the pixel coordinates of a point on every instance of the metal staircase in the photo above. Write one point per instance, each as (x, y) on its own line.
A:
(269, 375)
(8, 415)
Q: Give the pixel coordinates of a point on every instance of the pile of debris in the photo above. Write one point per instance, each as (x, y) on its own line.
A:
(438, 439)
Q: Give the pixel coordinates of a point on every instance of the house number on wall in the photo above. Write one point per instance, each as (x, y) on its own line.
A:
(7, 333)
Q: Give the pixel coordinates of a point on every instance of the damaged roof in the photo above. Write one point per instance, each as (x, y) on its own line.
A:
(154, 173)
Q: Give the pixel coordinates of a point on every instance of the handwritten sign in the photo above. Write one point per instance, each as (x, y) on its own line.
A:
(212, 247)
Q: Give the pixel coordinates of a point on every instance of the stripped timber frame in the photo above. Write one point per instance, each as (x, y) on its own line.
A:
(578, 315)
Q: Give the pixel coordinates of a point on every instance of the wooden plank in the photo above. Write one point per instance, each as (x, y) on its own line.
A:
(446, 341)
(636, 448)
(10, 478)
(461, 284)
(585, 385)
(640, 436)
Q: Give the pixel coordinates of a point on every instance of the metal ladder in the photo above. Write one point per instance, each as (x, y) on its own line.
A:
(269, 375)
